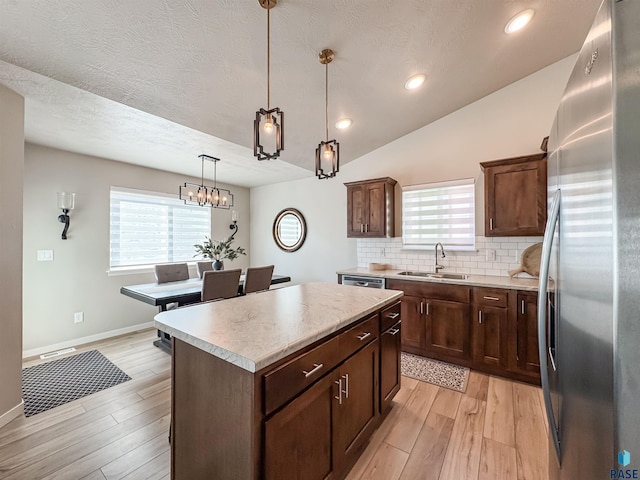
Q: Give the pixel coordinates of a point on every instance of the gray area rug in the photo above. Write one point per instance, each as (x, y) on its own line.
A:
(433, 371)
(55, 383)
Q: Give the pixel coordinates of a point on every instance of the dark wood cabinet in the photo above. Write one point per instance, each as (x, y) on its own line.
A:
(291, 452)
(515, 196)
(390, 346)
(490, 327)
(370, 208)
(527, 355)
(357, 410)
(448, 328)
(493, 330)
(435, 319)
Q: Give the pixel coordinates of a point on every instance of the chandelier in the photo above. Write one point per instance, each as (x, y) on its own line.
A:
(205, 195)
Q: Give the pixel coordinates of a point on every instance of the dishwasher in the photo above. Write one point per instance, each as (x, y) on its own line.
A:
(362, 281)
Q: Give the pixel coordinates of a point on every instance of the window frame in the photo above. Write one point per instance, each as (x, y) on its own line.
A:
(470, 244)
(174, 204)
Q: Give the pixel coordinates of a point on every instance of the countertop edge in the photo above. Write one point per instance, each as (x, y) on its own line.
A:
(491, 281)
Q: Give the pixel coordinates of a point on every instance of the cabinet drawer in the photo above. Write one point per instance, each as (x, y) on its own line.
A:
(490, 297)
(359, 336)
(289, 379)
(449, 292)
(389, 317)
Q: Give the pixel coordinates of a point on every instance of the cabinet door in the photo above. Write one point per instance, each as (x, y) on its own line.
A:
(356, 210)
(298, 439)
(357, 411)
(527, 354)
(448, 328)
(375, 219)
(389, 365)
(490, 336)
(516, 199)
(414, 332)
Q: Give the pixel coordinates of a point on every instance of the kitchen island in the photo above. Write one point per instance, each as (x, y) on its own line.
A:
(280, 384)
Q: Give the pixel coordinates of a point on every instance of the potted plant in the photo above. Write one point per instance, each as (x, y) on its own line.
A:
(218, 250)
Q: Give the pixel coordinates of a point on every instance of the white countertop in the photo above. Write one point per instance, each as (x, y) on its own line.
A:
(530, 284)
(256, 330)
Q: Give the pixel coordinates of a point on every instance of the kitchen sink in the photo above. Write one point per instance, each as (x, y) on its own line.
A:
(452, 276)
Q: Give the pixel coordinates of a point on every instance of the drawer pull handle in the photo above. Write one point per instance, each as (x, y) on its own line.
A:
(346, 385)
(316, 367)
(495, 299)
(393, 331)
(394, 315)
(339, 397)
(362, 336)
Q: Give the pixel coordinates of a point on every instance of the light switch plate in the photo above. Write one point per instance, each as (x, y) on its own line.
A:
(491, 255)
(45, 255)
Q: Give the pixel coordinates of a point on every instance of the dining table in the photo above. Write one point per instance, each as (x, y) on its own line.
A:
(182, 292)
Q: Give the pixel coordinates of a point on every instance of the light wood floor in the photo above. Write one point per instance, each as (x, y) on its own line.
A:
(493, 431)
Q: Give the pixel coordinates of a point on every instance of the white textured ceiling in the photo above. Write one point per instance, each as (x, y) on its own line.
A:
(158, 82)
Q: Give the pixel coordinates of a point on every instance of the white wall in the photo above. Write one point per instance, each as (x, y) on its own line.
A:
(507, 123)
(11, 185)
(77, 279)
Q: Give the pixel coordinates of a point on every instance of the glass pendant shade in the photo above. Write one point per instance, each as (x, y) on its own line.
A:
(268, 140)
(206, 195)
(327, 159)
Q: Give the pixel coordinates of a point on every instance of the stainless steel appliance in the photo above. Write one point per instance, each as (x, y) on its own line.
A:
(363, 281)
(589, 321)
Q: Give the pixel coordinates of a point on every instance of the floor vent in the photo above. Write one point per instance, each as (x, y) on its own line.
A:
(56, 353)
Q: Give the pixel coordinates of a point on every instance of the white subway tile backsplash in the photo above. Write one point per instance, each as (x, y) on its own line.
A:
(508, 251)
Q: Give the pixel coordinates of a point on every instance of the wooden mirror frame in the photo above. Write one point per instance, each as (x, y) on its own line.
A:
(303, 226)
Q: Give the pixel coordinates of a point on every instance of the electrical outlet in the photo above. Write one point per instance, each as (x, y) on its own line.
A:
(78, 317)
(382, 251)
(491, 255)
(45, 255)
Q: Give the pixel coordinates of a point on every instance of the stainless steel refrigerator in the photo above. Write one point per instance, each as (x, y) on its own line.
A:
(589, 321)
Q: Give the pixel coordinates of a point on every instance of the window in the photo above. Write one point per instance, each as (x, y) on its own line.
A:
(147, 228)
(439, 212)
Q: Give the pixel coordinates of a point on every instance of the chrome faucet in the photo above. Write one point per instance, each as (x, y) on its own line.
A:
(437, 266)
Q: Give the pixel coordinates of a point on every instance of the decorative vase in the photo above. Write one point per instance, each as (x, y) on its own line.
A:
(218, 265)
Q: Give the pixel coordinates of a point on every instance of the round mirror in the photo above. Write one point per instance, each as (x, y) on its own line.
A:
(289, 230)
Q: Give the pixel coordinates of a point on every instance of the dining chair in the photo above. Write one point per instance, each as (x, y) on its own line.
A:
(204, 267)
(258, 279)
(172, 272)
(220, 284)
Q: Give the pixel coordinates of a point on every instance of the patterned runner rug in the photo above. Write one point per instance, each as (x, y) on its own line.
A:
(54, 383)
(433, 371)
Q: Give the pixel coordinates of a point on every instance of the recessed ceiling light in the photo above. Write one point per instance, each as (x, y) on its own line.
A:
(519, 21)
(343, 123)
(415, 81)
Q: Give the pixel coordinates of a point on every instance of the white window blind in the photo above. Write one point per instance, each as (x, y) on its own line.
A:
(147, 228)
(439, 212)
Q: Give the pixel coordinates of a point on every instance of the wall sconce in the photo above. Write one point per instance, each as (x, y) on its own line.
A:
(234, 223)
(66, 202)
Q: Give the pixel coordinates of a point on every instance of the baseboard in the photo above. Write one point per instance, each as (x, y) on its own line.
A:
(81, 341)
(15, 412)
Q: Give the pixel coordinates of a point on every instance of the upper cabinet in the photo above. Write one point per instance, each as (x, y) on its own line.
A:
(515, 196)
(370, 208)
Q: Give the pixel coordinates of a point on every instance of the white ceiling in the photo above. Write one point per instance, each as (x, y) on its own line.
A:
(158, 82)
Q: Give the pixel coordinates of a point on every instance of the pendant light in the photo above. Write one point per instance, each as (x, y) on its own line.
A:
(205, 195)
(328, 152)
(268, 127)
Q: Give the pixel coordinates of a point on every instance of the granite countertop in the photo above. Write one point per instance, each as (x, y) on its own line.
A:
(256, 330)
(530, 284)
